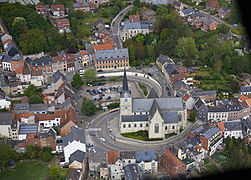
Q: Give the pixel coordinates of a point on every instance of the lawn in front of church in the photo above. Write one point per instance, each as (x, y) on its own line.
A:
(139, 135)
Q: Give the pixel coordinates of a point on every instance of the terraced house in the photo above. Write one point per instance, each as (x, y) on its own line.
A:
(111, 59)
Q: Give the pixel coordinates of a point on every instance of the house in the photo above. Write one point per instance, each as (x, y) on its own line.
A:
(63, 93)
(70, 60)
(58, 10)
(148, 15)
(163, 60)
(104, 171)
(134, 18)
(209, 24)
(245, 90)
(131, 29)
(99, 47)
(201, 110)
(189, 101)
(73, 141)
(85, 59)
(115, 164)
(82, 6)
(159, 116)
(46, 121)
(68, 120)
(6, 62)
(191, 18)
(41, 64)
(63, 25)
(128, 157)
(111, 59)
(178, 5)
(205, 95)
(132, 172)
(78, 160)
(180, 88)
(171, 164)
(25, 118)
(233, 129)
(25, 130)
(74, 174)
(11, 49)
(5, 101)
(6, 37)
(212, 5)
(78, 61)
(96, 159)
(224, 11)
(179, 149)
(25, 76)
(147, 161)
(186, 12)
(41, 9)
(5, 124)
(211, 138)
(99, 24)
(37, 78)
(59, 63)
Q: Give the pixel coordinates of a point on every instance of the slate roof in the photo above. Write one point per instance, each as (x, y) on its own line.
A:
(38, 107)
(134, 25)
(146, 156)
(24, 107)
(196, 14)
(132, 172)
(162, 59)
(40, 61)
(233, 125)
(73, 174)
(80, 4)
(170, 69)
(134, 118)
(203, 93)
(210, 132)
(67, 103)
(5, 118)
(208, 21)
(111, 54)
(199, 103)
(246, 89)
(56, 76)
(11, 49)
(76, 134)
(98, 157)
(77, 156)
(170, 117)
(188, 11)
(152, 94)
(3, 81)
(191, 142)
(169, 104)
(225, 108)
(6, 58)
(128, 154)
(225, 8)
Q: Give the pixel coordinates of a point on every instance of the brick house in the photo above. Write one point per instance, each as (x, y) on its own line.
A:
(171, 164)
(82, 6)
(134, 18)
(41, 9)
(209, 24)
(59, 63)
(63, 25)
(224, 11)
(78, 160)
(41, 64)
(70, 60)
(212, 5)
(68, 120)
(58, 10)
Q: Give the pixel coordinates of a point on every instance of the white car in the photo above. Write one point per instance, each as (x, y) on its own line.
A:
(102, 139)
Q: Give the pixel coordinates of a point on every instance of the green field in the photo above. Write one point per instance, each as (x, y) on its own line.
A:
(29, 170)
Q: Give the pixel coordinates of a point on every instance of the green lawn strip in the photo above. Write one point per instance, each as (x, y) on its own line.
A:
(139, 135)
(170, 135)
(28, 170)
(143, 87)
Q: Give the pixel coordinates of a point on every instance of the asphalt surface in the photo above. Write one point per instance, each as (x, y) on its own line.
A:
(116, 25)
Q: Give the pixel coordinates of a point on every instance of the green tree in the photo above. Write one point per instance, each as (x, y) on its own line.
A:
(30, 91)
(36, 21)
(77, 81)
(46, 156)
(4, 154)
(223, 28)
(88, 107)
(90, 75)
(192, 116)
(19, 25)
(186, 49)
(36, 100)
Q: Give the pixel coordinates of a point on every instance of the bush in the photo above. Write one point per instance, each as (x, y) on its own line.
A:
(192, 116)
(88, 107)
(113, 105)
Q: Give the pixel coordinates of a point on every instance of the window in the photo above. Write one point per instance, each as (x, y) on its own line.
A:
(146, 124)
(173, 127)
(165, 127)
(124, 126)
(156, 128)
(141, 124)
(129, 125)
(135, 125)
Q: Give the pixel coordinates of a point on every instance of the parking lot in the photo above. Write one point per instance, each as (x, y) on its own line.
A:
(108, 91)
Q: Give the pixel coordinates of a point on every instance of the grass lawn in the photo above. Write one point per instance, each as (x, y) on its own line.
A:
(170, 135)
(29, 170)
(143, 87)
(213, 169)
(239, 30)
(139, 135)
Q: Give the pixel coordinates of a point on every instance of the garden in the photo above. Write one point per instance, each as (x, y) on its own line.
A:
(139, 135)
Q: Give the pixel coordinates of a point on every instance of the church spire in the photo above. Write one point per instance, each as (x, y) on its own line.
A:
(125, 83)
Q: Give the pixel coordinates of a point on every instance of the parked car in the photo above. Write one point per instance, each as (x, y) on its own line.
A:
(100, 70)
(79, 97)
(150, 74)
(88, 90)
(108, 98)
(167, 88)
(102, 139)
(169, 94)
(90, 145)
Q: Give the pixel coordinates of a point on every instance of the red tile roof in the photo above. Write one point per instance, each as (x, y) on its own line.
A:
(172, 160)
(134, 18)
(82, 53)
(57, 7)
(186, 97)
(112, 156)
(23, 115)
(243, 97)
(244, 104)
(40, 6)
(103, 46)
(63, 22)
(213, 3)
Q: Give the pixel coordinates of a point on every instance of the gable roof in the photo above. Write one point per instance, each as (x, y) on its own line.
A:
(76, 134)
(103, 46)
(188, 11)
(132, 172)
(5, 118)
(171, 159)
(213, 3)
(233, 125)
(162, 59)
(170, 117)
(112, 157)
(243, 97)
(77, 156)
(146, 156)
(134, 25)
(111, 54)
(128, 154)
(245, 89)
(186, 97)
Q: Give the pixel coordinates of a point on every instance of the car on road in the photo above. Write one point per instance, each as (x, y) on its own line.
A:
(167, 88)
(169, 94)
(150, 74)
(121, 14)
(102, 139)
(79, 97)
(90, 145)
(100, 70)
(92, 134)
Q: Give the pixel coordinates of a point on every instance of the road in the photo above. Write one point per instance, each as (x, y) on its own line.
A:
(115, 25)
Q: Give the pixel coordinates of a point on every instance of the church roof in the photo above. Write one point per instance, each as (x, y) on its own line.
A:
(152, 94)
(170, 117)
(125, 90)
(134, 118)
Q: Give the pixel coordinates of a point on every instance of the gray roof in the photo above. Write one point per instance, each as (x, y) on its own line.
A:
(146, 156)
(170, 69)
(246, 89)
(208, 21)
(38, 107)
(210, 132)
(196, 14)
(11, 49)
(188, 11)
(67, 103)
(162, 59)
(5, 36)
(199, 103)
(225, 108)
(40, 61)
(6, 58)
(225, 8)
(170, 117)
(191, 142)
(178, 84)
(76, 134)
(5, 118)
(27, 129)
(89, 48)
(98, 157)
(152, 94)
(56, 76)
(22, 107)
(203, 93)
(4, 81)
(167, 104)
(233, 125)
(73, 174)
(111, 54)
(134, 25)
(80, 4)
(128, 154)
(77, 156)
(134, 118)
(132, 172)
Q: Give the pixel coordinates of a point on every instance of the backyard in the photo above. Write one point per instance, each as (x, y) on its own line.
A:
(28, 170)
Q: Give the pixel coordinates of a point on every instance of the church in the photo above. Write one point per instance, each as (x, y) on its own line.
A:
(158, 116)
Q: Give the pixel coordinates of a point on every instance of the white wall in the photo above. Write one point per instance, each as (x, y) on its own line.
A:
(4, 104)
(72, 147)
(5, 130)
(48, 124)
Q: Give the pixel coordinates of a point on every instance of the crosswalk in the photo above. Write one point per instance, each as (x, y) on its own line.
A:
(93, 129)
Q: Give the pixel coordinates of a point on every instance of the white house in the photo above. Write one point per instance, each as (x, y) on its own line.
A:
(131, 29)
(233, 129)
(186, 12)
(73, 141)
(5, 124)
(5, 102)
(47, 120)
(147, 161)
(128, 157)
(188, 101)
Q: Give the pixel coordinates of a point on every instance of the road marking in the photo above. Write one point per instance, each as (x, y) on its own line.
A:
(93, 129)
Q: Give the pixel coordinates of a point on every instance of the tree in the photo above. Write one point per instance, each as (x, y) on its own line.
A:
(217, 66)
(223, 28)
(88, 107)
(186, 49)
(19, 25)
(30, 91)
(192, 116)
(35, 20)
(36, 100)
(46, 156)
(77, 81)
(90, 75)
(4, 154)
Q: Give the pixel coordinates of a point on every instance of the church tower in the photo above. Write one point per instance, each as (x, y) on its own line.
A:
(125, 98)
